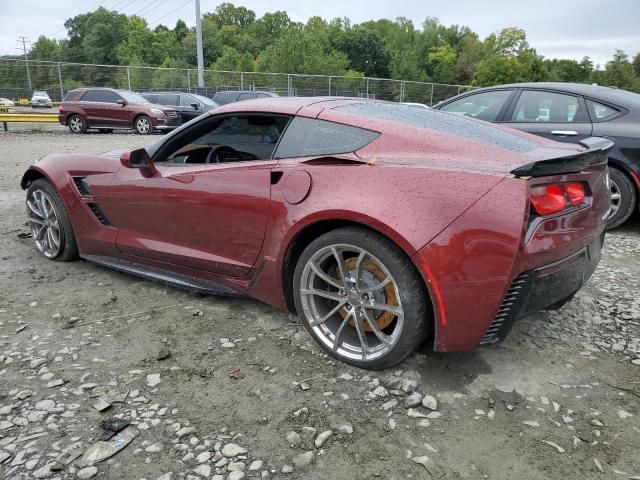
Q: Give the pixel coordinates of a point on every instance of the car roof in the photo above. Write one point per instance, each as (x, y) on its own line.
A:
(245, 91)
(608, 94)
(284, 105)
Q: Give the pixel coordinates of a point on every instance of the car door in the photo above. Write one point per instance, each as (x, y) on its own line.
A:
(190, 108)
(555, 115)
(91, 103)
(205, 216)
(114, 113)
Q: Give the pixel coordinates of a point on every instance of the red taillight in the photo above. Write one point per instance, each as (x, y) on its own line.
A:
(575, 192)
(550, 199)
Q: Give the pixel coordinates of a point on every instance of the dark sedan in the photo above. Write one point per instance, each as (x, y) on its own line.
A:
(569, 112)
(190, 105)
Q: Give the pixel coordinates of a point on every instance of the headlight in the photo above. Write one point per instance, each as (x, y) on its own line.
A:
(159, 113)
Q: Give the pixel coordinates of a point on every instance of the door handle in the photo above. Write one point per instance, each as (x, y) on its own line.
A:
(565, 133)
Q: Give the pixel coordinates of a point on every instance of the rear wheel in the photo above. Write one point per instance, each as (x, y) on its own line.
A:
(49, 223)
(623, 198)
(142, 125)
(77, 124)
(361, 298)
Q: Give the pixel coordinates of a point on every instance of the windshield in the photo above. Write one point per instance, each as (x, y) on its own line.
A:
(40, 93)
(131, 97)
(203, 99)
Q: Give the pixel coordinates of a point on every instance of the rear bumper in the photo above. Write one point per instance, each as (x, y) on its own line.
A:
(545, 288)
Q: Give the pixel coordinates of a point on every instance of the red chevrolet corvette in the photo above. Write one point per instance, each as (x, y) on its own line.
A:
(380, 224)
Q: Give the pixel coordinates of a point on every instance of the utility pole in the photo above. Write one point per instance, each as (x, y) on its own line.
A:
(199, 46)
(24, 49)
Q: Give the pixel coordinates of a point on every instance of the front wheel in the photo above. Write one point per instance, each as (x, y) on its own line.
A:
(143, 125)
(623, 198)
(361, 298)
(49, 223)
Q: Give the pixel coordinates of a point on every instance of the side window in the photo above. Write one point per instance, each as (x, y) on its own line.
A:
(599, 111)
(483, 106)
(186, 101)
(246, 96)
(310, 137)
(167, 99)
(539, 106)
(231, 139)
(92, 96)
(110, 97)
(262, 95)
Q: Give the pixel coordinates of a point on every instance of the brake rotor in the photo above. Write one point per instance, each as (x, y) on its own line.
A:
(384, 319)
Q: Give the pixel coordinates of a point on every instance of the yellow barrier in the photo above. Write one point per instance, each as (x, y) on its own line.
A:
(27, 117)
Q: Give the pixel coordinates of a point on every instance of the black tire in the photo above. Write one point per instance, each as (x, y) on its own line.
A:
(622, 184)
(77, 124)
(142, 125)
(68, 246)
(413, 296)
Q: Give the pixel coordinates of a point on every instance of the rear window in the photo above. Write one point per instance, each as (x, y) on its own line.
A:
(70, 96)
(225, 97)
(307, 137)
(442, 122)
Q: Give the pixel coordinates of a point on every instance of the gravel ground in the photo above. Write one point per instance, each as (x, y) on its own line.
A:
(204, 387)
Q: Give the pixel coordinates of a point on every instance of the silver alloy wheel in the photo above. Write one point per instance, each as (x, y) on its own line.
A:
(616, 198)
(343, 304)
(44, 224)
(143, 125)
(76, 124)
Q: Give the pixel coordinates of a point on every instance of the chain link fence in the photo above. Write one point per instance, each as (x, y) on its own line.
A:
(19, 78)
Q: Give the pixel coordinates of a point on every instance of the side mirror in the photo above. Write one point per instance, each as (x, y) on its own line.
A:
(121, 102)
(138, 159)
(195, 106)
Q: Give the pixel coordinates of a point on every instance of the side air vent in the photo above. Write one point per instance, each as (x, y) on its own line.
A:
(82, 186)
(99, 215)
(508, 311)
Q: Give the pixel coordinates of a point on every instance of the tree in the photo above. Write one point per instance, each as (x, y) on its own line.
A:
(180, 30)
(620, 73)
(498, 69)
(232, 60)
(229, 14)
(298, 50)
(94, 37)
(45, 49)
(441, 64)
(365, 50)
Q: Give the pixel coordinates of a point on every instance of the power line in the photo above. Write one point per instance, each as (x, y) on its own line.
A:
(169, 13)
(148, 10)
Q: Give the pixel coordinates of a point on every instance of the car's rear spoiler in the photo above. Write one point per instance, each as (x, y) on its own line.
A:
(595, 154)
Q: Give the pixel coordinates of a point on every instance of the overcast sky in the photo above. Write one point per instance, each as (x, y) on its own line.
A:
(556, 28)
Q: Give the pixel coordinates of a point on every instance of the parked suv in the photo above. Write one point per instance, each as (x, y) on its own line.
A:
(107, 109)
(229, 96)
(569, 112)
(41, 98)
(190, 105)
